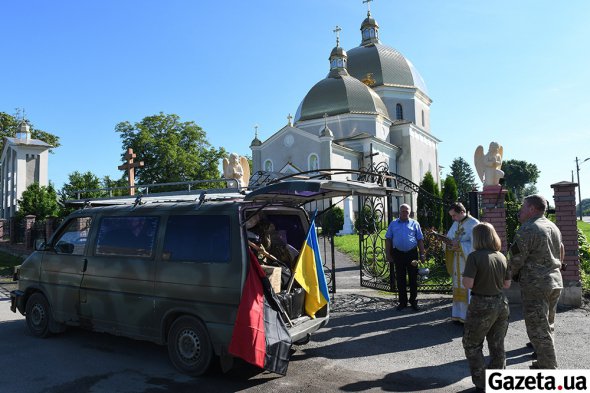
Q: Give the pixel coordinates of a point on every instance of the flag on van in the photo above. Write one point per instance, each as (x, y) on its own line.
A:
(309, 273)
(260, 336)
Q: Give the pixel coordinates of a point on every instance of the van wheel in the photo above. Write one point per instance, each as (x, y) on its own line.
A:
(38, 315)
(189, 347)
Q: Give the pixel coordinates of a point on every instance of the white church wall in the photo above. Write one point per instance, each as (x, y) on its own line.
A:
(290, 147)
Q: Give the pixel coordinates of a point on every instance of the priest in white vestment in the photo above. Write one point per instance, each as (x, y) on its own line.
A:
(457, 249)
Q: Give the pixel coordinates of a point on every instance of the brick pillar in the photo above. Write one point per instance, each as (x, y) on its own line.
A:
(29, 222)
(12, 225)
(49, 224)
(564, 195)
(494, 211)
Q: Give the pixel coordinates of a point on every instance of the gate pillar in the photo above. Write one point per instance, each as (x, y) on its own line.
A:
(494, 211)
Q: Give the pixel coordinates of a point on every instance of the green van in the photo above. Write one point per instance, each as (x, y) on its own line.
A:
(166, 268)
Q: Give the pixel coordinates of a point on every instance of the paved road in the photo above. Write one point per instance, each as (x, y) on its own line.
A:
(367, 346)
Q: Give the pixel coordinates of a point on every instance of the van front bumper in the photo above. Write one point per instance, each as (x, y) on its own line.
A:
(17, 301)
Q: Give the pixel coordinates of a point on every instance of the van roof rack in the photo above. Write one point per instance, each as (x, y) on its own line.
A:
(143, 195)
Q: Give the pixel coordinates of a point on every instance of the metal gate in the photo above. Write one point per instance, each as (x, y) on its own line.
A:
(373, 216)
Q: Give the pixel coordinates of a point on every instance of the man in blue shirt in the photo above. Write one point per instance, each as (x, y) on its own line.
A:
(403, 240)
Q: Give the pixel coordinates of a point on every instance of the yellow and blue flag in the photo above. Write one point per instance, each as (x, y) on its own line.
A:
(309, 273)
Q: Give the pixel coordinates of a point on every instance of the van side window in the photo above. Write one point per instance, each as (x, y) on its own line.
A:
(72, 240)
(203, 238)
(129, 236)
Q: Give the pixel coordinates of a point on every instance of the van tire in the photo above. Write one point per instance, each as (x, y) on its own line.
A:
(38, 315)
(189, 346)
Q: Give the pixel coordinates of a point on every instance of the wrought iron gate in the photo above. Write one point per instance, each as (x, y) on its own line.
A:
(373, 216)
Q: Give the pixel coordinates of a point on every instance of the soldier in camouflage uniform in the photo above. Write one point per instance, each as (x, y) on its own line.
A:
(535, 262)
(486, 274)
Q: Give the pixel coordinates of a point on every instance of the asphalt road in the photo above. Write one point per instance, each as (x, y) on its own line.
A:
(367, 346)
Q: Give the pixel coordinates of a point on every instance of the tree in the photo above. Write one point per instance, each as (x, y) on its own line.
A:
(9, 125)
(464, 179)
(585, 207)
(172, 150)
(81, 181)
(449, 195)
(429, 204)
(107, 182)
(332, 221)
(520, 177)
(40, 201)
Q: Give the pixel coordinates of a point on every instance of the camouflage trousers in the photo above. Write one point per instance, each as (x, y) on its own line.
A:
(487, 318)
(539, 307)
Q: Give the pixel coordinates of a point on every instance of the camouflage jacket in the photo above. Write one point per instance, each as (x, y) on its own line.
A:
(534, 254)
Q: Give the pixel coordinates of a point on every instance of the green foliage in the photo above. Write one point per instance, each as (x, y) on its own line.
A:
(332, 221)
(464, 179)
(9, 126)
(520, 177)
(368, 221)
(81, 181)
(429, 204)
(40, 201)
(585, 207)
(107, 182)
(512, 222)
(584, 251)
(8, 262)
(450, 194)
(172, 150)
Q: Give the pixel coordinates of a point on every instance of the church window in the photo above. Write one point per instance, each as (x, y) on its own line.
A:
(268, 166)
(399, 112)
(423, 122)
(313, 163)
(421, 169)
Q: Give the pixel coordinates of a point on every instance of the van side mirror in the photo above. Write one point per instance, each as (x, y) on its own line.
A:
(40, 245)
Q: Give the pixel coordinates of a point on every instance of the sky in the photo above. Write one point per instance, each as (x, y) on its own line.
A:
(515, 72)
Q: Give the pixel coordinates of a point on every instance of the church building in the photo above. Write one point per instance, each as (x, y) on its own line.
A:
(372, 107)
(23, 162)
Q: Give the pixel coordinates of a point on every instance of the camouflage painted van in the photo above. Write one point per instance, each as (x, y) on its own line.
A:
(169, 269)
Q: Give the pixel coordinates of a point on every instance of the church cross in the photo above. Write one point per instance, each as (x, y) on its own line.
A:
(256, 130)
(130, 166)
(368, 3)
(371, 155)
(289, 118)
(337, 30)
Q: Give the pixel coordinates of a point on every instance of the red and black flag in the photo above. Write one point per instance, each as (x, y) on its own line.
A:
(260, 336)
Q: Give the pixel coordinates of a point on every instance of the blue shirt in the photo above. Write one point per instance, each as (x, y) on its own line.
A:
(404, 235)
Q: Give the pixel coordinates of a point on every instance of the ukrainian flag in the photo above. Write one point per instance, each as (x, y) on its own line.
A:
(309, 273)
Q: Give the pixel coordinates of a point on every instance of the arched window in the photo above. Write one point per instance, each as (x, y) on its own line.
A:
(313, 162)
(268, 166)
(399, 112)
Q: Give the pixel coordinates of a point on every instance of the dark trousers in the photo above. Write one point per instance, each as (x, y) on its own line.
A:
(403, 267)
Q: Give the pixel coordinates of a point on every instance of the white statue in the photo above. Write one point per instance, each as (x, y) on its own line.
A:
(488, 165)
(237, 168)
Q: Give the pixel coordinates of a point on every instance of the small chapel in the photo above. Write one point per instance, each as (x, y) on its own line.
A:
(23, 162)
(372, 107)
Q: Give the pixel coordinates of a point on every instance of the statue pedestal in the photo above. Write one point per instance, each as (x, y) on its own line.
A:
(494, 210)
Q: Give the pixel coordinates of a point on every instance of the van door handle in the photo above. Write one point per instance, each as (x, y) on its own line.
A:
(85, 264)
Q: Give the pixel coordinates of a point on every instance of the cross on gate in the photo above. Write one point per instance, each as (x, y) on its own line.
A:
(371, 155)
(130, 166)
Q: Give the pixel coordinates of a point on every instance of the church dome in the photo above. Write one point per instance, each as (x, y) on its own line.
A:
(378, 64)
(339, 93)
(385, 65)
(335, 96)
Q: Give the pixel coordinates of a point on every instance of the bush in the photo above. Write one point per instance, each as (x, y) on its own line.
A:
(368, 221)
(332, 221)
(584, 259)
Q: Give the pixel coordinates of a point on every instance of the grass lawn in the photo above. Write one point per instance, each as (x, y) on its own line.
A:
(585, 227)
(7, 263)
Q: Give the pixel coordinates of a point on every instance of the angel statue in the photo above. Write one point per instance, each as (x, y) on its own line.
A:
(237, 168)
(488, 165)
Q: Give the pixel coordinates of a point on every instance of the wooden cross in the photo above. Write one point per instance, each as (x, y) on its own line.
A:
(130, 166)
(371, 155)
